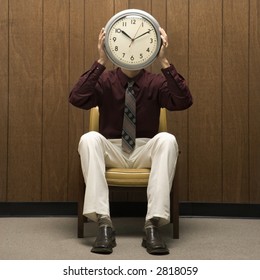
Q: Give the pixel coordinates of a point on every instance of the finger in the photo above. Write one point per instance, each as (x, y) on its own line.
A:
(162, 31)
(164, 37)
(164, 42)
(101, 33)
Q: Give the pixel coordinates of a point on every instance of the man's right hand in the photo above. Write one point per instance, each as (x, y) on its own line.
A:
(101, 45)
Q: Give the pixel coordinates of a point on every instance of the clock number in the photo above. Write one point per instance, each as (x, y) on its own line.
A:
(123, 54)
(133, 21)
(132, 58)
(141, 56)
(114, 39)
(151, 40)
(124, 23)
(116, 48)
(148, 50)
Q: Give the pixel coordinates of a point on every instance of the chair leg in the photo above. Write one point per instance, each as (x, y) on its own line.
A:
(81, 218)
(175, 210)
(80, 226)
(176, 223)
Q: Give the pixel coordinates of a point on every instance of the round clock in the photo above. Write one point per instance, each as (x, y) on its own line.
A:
(132, 39)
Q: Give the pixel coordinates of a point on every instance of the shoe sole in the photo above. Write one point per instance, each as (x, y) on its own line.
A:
(104, 250)
(155, 251)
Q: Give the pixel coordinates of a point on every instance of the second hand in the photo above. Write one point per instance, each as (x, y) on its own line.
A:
(135, 35)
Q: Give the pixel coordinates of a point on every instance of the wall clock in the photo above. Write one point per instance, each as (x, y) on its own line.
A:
(132, 39)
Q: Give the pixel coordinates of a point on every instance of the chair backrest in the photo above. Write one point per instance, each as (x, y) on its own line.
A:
(94, 120)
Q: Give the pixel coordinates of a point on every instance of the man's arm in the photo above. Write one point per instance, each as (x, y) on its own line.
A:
(174, 92)
(87, 91)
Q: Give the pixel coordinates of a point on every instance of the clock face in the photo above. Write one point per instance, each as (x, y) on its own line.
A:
(132, 39)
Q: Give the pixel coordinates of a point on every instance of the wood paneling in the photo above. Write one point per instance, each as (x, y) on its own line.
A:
(254, 101)
(120, 5)
(76, 68)
(205, 41)
(177, 31)
(47, 44)
(55, 100)
(142, 5)
(235, 101)
(158, 10)
(25, 100)
(93, 25)
(3, 97)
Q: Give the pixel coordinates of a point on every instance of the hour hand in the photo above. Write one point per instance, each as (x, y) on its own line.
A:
(126, 34)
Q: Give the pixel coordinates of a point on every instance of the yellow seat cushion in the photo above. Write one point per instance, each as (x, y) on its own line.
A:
(127, 177)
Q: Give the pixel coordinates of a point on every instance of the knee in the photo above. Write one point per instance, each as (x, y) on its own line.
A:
(89, 139)
(166, 137)
(167, 141)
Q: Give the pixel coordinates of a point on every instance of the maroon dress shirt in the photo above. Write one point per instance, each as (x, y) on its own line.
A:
(106, 89)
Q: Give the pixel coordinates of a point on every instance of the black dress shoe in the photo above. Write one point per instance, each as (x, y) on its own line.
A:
(153, 242)
(105, 241)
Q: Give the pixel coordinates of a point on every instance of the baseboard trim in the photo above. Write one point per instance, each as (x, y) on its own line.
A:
(17, 209)
(128, 209)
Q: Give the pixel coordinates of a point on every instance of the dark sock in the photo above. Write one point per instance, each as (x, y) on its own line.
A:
(104, 220)
(152, 222)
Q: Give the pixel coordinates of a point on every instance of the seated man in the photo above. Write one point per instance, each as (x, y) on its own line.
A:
(149, 149)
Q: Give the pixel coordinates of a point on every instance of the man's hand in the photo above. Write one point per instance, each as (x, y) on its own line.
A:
(162, 57)
(101, 44)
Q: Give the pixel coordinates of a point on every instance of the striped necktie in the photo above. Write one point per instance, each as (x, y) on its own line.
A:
(128, 132)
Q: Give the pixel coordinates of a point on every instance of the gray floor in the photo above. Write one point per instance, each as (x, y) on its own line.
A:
(200, 239)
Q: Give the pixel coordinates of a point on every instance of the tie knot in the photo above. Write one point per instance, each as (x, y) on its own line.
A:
(130, 84)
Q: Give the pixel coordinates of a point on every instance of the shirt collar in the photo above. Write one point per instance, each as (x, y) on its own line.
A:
(124, 79)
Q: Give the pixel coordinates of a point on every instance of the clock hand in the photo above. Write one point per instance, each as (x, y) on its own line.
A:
(135, 35)
(126, 34)
(143, 34)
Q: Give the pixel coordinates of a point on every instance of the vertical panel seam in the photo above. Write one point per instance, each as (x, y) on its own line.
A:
(248, 94)
(165, 13)
(68, 88)
(188, 118)
(84, 47)
(8, 100)
(222, 134)
(42, 143)
(84, 55)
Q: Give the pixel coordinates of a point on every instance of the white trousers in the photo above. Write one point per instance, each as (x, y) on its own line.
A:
(159, 153)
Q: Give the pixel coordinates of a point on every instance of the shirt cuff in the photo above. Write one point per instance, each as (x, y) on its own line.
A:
(98, 67)
(171, 73)
(171, 70)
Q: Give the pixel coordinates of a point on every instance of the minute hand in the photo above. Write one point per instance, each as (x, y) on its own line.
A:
(142, 34)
